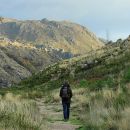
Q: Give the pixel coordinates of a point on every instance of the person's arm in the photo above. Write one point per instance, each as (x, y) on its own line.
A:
(60, 92)
(71, 94)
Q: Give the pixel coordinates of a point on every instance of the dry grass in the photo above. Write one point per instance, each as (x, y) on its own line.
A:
(55, 96)
(102, 112)
(98, 108)
(17, 113)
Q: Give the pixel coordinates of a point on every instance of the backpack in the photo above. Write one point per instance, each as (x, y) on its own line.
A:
(65, 93)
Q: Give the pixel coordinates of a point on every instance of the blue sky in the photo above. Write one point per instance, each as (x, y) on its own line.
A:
(100, 16)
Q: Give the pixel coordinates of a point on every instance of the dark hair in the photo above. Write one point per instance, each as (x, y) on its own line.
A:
(66, 84)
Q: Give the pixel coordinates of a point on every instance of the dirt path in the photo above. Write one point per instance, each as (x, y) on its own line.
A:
(52, 113)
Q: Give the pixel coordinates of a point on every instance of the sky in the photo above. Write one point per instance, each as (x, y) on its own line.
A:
(108, 19)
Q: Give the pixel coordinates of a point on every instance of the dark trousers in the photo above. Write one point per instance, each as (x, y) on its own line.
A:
(66, 110)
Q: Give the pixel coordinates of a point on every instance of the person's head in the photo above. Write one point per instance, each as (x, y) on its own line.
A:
(66, 83)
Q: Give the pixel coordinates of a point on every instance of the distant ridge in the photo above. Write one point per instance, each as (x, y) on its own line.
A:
(62, 35)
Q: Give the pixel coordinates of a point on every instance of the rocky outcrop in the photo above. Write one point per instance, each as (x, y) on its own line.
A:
(18, 62)
(71, 37)
(10, 71)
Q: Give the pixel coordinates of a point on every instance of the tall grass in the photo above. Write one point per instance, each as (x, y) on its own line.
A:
(105, 110)
(19, 114)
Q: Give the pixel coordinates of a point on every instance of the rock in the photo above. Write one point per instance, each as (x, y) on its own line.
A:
(71, 37)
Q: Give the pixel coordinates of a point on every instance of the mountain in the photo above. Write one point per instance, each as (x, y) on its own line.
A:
(26, 47)
(64, 35)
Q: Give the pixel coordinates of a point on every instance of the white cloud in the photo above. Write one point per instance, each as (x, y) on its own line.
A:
(98, 15)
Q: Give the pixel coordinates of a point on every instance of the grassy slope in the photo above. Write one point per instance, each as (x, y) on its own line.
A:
(109, 62)
(100, 83)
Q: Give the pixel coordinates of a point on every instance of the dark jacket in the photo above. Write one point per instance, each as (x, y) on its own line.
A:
(66, 100)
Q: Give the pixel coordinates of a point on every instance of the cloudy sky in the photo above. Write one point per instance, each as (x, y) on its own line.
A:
(106, 18)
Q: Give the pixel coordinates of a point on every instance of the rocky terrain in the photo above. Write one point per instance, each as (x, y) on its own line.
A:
(18, 61)
(64, 35)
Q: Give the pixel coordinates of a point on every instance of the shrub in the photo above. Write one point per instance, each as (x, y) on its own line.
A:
(121, 101)
(126, 77)
(83, 83)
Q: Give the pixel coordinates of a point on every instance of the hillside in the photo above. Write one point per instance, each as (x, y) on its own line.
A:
(64, 35)
(27, 47)
(105, 59)
(100, 81)
(19, 61)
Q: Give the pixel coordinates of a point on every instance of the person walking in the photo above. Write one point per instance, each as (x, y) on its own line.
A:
(66, 95)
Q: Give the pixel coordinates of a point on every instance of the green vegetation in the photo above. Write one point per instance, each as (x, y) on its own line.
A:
(88, 127)
(101, 88)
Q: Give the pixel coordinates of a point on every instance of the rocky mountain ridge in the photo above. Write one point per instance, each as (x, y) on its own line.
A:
(29, 46)
(71, 37)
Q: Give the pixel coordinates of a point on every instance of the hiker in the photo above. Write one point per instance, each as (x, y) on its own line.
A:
(66, 95)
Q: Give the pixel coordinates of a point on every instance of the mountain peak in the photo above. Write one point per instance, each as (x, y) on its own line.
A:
(65, 35)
